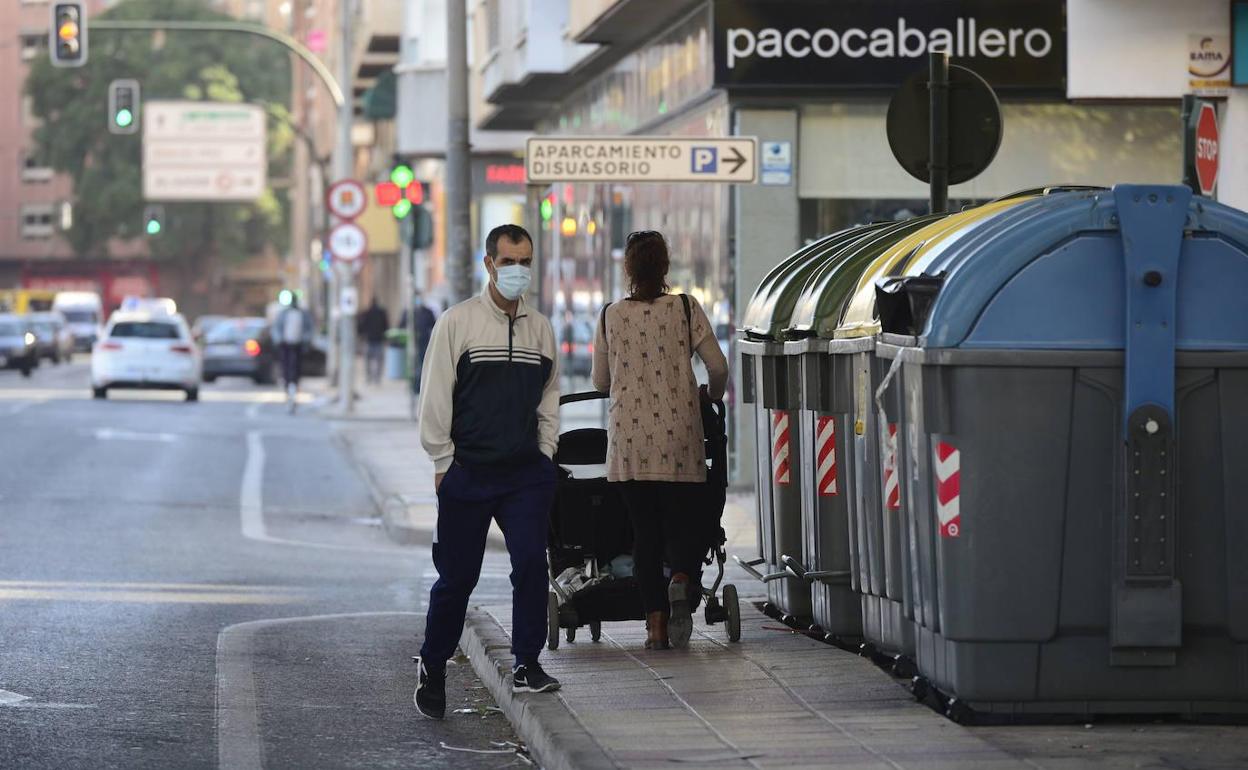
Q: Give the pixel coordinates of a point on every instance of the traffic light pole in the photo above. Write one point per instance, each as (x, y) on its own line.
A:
(458, 173)
(332, 85)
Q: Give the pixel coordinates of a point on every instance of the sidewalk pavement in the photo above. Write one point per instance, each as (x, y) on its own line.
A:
(780, 699)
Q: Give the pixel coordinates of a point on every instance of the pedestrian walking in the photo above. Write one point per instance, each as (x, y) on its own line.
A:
(292, 331)
(373, 325)
(489, 419)
(643, 348)
(422, 327)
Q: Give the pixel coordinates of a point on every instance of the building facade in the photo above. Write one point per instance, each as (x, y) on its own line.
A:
(812, 81)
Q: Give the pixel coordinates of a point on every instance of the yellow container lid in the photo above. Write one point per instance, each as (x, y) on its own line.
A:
(911, 255)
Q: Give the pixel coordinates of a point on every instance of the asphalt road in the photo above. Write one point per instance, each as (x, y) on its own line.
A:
(204, 585)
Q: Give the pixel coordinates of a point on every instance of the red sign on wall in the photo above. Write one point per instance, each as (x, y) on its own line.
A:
(1207, 149)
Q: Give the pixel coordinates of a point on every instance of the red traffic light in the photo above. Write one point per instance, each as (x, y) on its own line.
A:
(387, 193)
(415, 193)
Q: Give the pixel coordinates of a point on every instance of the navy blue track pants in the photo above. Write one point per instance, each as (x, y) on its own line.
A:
(519, 498)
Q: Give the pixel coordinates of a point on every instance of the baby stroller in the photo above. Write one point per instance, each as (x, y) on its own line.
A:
(591, 540)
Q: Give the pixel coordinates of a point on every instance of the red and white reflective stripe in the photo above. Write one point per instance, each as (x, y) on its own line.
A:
(825, 443)
(780, 446)
(892, 484)
(948, 489)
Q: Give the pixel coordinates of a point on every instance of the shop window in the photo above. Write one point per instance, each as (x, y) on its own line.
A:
(37, 220)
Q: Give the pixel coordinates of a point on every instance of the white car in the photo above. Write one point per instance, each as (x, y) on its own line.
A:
(147, 350)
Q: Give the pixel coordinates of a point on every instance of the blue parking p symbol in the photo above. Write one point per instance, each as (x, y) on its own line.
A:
(705, 160)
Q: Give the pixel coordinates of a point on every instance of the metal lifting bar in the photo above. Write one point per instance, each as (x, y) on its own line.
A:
(318, 66)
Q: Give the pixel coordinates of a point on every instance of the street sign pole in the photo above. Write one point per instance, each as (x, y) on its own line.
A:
(342, 170)
(938, 92)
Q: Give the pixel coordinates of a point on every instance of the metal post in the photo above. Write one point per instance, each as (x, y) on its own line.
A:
(458, 192)
(938, 91)
(342, 170)
(407, 284)
(1188, 108)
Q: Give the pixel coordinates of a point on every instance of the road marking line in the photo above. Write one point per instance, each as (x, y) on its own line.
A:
(9, 698)
(239, 744)
(204, 587)
(250, 502)
(113, 434)
(251, 505)
(143, 597)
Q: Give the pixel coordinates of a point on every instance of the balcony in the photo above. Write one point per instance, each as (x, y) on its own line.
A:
(624, 23)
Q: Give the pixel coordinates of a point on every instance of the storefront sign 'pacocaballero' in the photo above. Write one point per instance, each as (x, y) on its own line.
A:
(875, 44)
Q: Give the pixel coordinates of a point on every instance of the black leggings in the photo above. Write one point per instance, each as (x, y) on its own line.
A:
(667, 528)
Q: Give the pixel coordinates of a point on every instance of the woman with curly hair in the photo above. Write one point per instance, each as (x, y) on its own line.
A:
(643, 350)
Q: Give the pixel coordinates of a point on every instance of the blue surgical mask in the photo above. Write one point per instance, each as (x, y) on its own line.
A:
(512, 280)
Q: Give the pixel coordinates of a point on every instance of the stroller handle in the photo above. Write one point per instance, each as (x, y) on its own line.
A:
(589, 395)
(595, 395)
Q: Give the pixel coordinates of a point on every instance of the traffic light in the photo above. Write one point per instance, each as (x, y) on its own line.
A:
(402, 192)
(123, 106)
(68, 37)
(154, 219)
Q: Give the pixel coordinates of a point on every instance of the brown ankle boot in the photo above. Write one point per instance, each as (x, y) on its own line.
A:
(656, 630)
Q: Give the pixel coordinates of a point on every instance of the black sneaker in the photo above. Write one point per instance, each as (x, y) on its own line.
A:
(531, 678)
(430, 695)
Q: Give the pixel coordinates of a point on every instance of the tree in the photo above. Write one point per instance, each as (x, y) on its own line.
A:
(72, 105)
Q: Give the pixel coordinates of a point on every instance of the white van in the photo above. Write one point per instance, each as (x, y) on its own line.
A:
(84, 313)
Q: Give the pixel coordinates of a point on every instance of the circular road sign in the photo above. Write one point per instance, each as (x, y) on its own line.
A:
(974, 125)
(1207, 149)
(347, 199)
(347, 242)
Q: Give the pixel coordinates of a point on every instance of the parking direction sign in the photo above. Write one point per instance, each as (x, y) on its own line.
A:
(347, 242)
(551, 159)
(203, 151)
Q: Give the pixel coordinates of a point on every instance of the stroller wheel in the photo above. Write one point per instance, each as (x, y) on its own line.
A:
(732, 623)
(552, 621)
(595, 631)
(570, 635)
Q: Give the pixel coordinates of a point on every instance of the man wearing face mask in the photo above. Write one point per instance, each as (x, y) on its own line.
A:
(489, 419)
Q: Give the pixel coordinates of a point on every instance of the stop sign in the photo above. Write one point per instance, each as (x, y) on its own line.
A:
(1207, 149)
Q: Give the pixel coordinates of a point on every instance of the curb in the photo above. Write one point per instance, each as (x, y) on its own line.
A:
(553, 734)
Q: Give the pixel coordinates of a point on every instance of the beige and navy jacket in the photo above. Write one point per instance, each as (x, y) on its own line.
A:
(490, 386)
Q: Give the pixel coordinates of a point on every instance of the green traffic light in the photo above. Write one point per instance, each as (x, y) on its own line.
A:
(548, 209)
(402, 208)
(402, 176)
(153, 227)
(123, 118)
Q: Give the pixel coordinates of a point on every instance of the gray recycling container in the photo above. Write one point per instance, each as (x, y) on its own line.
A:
(825, 430)
(1075, 407)
(772, 383)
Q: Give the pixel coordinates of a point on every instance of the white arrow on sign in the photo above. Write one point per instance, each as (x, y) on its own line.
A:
(640, 159)
(347, 242)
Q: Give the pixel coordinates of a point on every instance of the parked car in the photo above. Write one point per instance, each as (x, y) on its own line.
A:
(578, 348)
(146, 350)
(53, 339)
(204, 324)
(84, 312)
(17, 345)
(240, 347)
